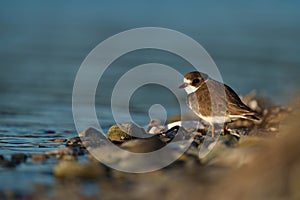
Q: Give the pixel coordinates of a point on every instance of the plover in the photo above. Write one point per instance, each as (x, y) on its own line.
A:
(214, 102)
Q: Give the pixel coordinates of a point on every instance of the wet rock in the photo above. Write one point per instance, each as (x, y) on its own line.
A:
(178, 132)
(7, 164)
(1, 157)
(18, 158)
(115, 134)
(187, 125)
(133, 130)
(73, 169)
(143, 145)
(92, 138)
(65, 151)
(75, 141)
(165, 139)
(155, 127)
(125, 131)
(58, 140)
(39, 157)
(198, 140)
(90, 133)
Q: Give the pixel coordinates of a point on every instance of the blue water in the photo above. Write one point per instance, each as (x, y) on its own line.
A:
(254, 44)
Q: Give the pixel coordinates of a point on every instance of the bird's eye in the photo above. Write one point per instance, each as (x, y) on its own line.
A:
(196, 81)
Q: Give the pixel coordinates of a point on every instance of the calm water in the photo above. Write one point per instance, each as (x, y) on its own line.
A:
(255, 45)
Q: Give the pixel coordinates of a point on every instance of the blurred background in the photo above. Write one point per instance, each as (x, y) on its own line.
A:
(255, 45)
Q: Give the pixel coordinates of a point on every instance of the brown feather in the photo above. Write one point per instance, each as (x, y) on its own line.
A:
(217, 99)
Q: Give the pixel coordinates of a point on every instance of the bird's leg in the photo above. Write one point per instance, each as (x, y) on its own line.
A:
(212, 131)
(226, 129)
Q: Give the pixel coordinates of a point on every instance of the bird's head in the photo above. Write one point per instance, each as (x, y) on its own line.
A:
(193, 80)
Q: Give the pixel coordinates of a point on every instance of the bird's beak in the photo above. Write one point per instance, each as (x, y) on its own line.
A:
(183, 85)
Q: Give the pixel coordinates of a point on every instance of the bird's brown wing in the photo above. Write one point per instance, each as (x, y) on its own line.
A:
(235, 105)
(217, 99)
(207, 99)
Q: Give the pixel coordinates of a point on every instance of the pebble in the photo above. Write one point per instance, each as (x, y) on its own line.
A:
(90, 133)
(143, 145)
(39, 157)
(133, 130)
(92, 138)
(74, 169)
(155, 126)
(18, 158)
(115, 134)
(75, 141)
(6, 163)
(58, 140)
(65, 151)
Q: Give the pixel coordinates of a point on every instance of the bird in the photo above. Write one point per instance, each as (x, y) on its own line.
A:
(213, 101)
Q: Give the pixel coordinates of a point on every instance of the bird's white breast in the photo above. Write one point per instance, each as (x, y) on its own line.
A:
(214, 119)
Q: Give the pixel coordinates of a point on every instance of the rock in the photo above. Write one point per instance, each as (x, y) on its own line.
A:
(60, 152)
(178, 132)
(39, 157)
(18, 158)
(1, 157)
(90, 133)
(115, 134)
(75, 141)
(165, 139)
(133, 130)
(198, 140)
(65, 151)
(7, 164)
(143, 145)
(187, 125)
(73, 169)
(58, 140)
(155, 127)
(92, 138)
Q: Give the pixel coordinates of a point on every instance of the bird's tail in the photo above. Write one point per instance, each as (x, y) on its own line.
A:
(253, 116)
